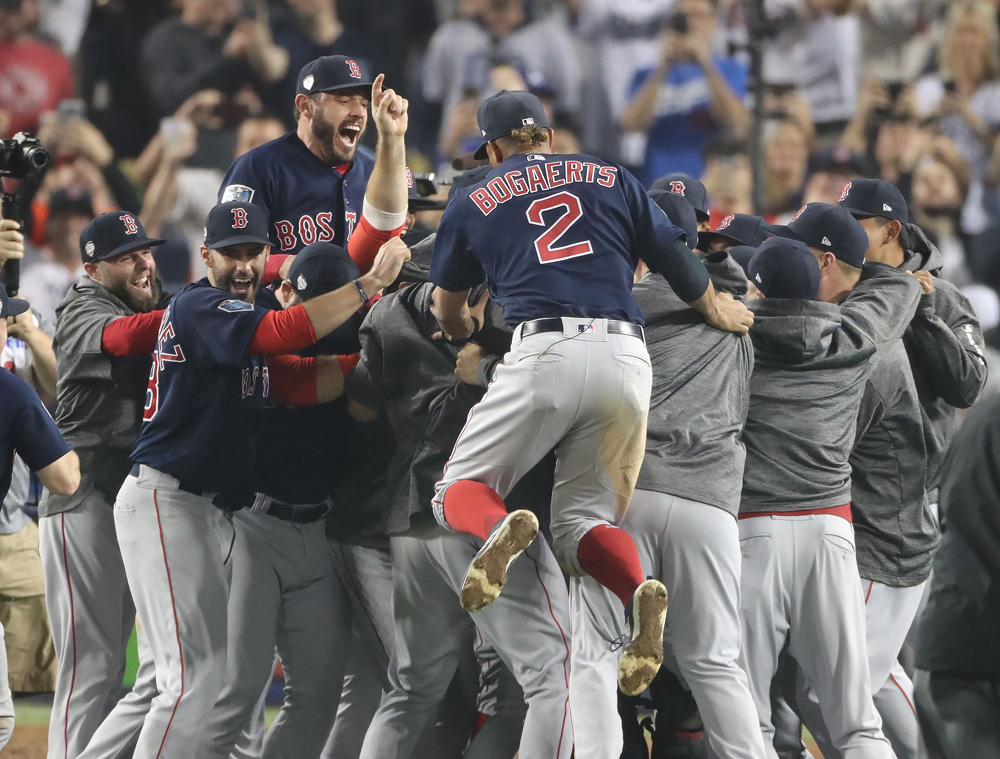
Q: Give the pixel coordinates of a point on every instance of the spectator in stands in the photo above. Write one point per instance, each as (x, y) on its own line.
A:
(965, 93)
(310, 29)
(898, 37)
(34, 75)
(688, 97)
(786, 159)
(829, 171)
(207, 47)
(46, 281)
(461, 55)
(728, 180)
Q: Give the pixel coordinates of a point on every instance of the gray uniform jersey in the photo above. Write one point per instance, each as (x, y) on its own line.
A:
(100, 398)
(811, 362)
(697, 406)
(895, 532)
(946, 349)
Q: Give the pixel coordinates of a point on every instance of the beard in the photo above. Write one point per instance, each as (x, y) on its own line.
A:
(140, 302)
(238, 286)
(328, 135)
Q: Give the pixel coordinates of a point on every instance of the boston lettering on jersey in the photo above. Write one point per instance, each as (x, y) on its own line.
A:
(539, 177)
(205, 392)
(307, 201)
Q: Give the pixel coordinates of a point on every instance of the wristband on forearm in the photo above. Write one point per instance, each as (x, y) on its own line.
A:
(361, 291)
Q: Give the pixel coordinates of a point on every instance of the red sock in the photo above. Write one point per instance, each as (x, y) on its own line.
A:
(609, 555)
(473, 508)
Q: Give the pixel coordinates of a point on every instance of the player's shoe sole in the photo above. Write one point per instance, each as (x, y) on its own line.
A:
(488, 571)
(642, 656)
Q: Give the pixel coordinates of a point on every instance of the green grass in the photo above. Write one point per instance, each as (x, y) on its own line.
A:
(36, 710)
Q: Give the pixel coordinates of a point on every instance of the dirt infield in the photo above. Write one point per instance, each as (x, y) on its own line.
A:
(27, 742)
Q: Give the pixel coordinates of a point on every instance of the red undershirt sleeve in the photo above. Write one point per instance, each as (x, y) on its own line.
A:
(366, 241)
(282, 332)
(293, 380)
(272, 269)
(132, 335)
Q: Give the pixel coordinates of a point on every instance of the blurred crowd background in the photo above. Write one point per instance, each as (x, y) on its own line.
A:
(145, 103)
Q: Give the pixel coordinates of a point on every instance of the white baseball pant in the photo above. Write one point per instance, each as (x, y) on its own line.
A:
(527, 625)
(92, 616)
(694, 549)
(584, 392)
(284, 595)
(800, 586)
(6, 698)
(173, 545)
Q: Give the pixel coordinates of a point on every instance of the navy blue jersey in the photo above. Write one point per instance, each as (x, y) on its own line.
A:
(555, 235)
(27, 428)
(306, 200)
(204, 392)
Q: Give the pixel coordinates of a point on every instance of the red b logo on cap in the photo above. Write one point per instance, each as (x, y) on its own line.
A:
(239, 218)
(725, 222)
(847, 189)
(799, 213)
(677, 187)
(355, 69)
(129, 222)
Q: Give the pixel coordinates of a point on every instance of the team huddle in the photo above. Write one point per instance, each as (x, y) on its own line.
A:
(572, 436)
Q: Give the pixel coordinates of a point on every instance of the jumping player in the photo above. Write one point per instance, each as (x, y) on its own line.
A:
(558, 238)
(218, 360)
(313, 183)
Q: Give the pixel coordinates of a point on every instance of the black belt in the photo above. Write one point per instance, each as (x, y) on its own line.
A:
(555, 324)
(298, 514)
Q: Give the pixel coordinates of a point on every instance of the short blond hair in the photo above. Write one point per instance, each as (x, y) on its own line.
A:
(986, 15)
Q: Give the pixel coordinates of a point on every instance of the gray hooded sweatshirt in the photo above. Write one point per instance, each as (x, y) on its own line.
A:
(701, 384)
(895, 531)
(945, 346)
(811, 363)
(100, 397)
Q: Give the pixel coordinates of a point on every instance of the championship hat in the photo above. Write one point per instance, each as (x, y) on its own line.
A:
(235, 223)
(112, 234)
(832, 229)
(785, 268)
(680, 183)
(680, 212)
(330, 73)
(11, 306)
(506, 111)
(319, 268)
(865, 198)
(742, 254)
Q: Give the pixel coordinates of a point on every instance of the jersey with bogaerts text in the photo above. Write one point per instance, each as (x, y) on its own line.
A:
(204, 392)
(555, 235)
(307, 201)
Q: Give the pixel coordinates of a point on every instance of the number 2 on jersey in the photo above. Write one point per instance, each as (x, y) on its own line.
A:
(545, 244)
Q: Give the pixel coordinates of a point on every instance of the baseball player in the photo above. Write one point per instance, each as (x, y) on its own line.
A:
(285, 593)
(683, 519)
(409, 376)
(692, 190)
(100, 392)
(558, 238)
(218, 359)
(314, 183)
(945, 350)
(25, 426)
(736, 229)
(799, 574)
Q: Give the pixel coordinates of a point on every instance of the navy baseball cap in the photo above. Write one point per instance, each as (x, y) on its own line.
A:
(832, 229)
(680, 183)
(319, 268)
(506, 111)
(680, 212)
(11, 306)
(742, 254)
(865, 198)
(785, 268)
(71, 201)
(330, 73)
(112, 234)
(741, 229)
(235, 223)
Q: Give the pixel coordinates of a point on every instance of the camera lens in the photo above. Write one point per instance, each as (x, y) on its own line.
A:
(37, 158)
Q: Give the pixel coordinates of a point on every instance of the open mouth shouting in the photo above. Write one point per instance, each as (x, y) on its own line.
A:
(243, 286)
(348, 136)
(141, 286)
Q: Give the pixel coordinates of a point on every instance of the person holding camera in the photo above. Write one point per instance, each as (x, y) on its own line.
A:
(688, 97)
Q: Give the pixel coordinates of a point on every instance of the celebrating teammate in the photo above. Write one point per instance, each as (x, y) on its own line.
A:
(558, 238)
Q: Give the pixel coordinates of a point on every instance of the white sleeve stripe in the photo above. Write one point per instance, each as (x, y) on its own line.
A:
(382, 220)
